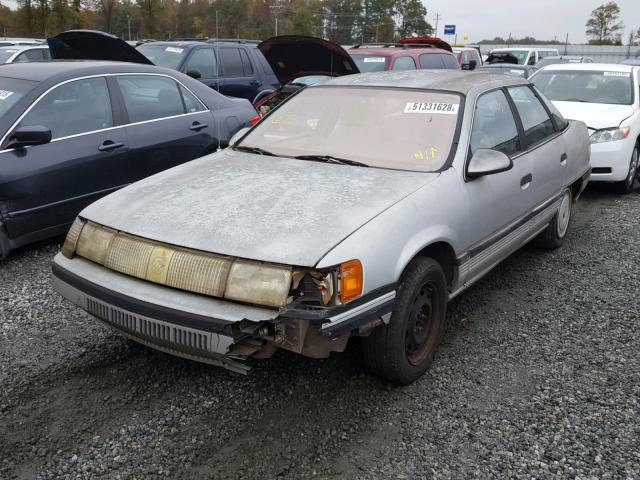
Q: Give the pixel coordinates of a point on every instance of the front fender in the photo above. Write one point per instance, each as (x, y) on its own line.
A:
(386, 244)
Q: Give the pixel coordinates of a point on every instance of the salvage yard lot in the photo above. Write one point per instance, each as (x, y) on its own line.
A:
(538, 375)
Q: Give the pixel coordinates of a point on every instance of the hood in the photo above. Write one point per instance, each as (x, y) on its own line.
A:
(422, 41)
(502, 57)
(595, 115)
(272, 209)
(292, 56)
(93, 45)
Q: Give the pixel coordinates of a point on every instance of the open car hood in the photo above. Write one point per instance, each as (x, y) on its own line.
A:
(292, 56)
(93, 45)
(501, 57)
(422, 41)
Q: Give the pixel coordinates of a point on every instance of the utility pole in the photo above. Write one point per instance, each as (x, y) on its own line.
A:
(438, 17)
(276, 9)
(129, 25)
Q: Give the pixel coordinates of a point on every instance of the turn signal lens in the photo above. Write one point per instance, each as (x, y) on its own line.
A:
(351, 280)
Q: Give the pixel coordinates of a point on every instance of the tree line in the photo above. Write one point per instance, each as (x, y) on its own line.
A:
(344, 21)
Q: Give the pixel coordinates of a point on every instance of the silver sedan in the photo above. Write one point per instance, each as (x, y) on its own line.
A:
(359, 207)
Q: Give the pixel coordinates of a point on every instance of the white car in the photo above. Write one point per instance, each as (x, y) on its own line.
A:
(607, 98)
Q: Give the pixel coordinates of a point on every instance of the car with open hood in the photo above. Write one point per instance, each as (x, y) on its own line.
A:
(235, 68)
(607, 98)
(358, 207)
(298, 62)
(73, 131)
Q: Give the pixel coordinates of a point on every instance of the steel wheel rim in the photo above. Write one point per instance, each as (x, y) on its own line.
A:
(420, 325)
(564, 215)
(633, 168)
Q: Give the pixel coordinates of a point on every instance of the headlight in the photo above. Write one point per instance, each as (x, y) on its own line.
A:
(71, 241)
(609, 135)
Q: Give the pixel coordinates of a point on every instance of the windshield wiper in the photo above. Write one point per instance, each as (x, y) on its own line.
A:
(256, 150)
(331, 159)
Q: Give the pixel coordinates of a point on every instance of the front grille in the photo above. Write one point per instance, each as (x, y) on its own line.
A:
(155, 331)
(601, 170)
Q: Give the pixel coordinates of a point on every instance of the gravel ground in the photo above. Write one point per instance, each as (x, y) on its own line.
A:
(538, 376)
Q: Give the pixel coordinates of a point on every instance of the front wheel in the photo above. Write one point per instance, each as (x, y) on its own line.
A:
(626, 186)
(553, 236)
(403, 350)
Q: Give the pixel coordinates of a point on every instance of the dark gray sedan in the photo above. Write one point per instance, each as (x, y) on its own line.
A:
(72, 132)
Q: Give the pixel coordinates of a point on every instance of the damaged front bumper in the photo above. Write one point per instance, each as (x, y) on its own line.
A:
(212, 330)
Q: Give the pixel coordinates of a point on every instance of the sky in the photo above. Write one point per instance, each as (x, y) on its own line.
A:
(542, 19)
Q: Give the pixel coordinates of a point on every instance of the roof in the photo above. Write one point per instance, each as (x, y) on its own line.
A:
(458, 81)
(204, 41)
(39, 71)
(605, 67)
(392, 51)
(17, 48)
(528, 49)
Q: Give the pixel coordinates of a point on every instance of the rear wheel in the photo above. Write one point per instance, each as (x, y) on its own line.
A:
(626, 186)
(403, 350)
(553, 236)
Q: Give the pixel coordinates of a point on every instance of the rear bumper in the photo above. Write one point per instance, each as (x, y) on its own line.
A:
(195, 326)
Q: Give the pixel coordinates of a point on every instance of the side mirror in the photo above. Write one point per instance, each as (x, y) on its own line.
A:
(238, 135)
(194, 73)
(487, 162)
(29, 136)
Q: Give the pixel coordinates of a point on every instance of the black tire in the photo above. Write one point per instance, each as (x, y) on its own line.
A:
(553, 236)
(626, 186)
(403, 350)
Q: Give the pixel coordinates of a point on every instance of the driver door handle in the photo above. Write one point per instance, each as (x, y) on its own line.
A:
(563, 159)
(197, 126)
(526, 181)
(108, 146)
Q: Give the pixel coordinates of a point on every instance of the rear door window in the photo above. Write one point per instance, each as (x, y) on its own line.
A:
(204, 61)
(404, 63)
(247, 69)
(494, 126)
(73, 108)
(231, 62)
(30, 56)
(150, 97)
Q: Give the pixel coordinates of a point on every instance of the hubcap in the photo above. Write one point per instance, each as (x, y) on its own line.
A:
(420, 325)
(564, 214)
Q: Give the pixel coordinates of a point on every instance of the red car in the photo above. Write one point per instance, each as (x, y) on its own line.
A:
(406, 54)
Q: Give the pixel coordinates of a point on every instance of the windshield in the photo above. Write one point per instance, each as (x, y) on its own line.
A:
(309, 80)
(370, 63)
(614, 88)
(163, 55)
(12, 90)
(6, 53)
(387, 128)
(521, 55)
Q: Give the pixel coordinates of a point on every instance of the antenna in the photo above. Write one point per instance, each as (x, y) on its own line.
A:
(216, 48)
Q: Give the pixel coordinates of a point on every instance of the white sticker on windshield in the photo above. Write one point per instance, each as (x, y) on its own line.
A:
(431, 107)
(174, 50)
(617, 74)
(374, 59)
(5, 94)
